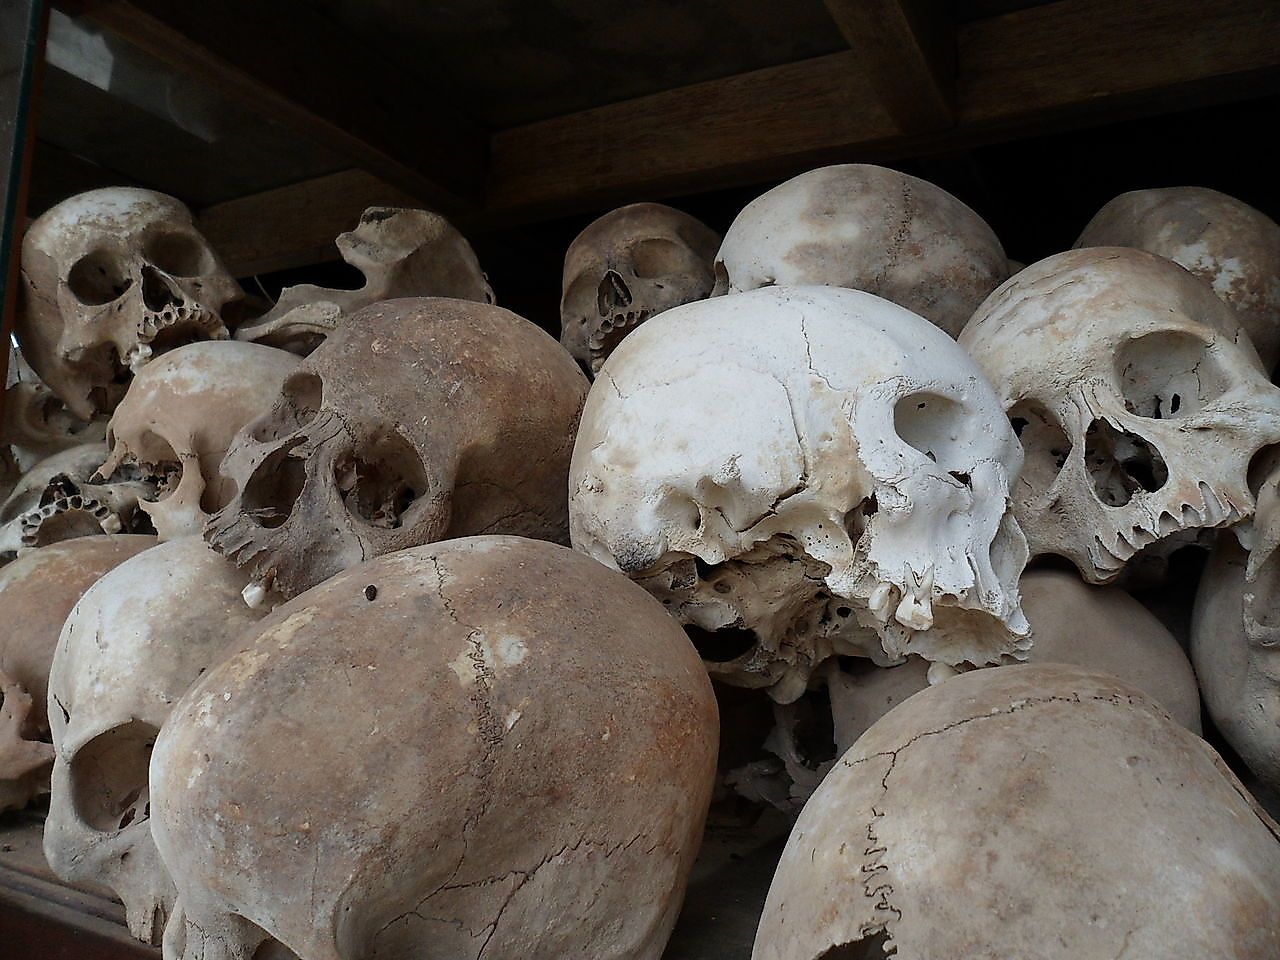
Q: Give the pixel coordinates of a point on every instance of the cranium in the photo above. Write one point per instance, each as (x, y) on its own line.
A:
(625, 267)
(831, 478)
(868, 228)
(179, 417)
(129, 649)
(36, 423)
(37, 591)
(1138, 409)
(111, 277)
(400, 253)
(475, 815)
(1228, 244)
(63, 497)
(1032, 811)
(419, 420)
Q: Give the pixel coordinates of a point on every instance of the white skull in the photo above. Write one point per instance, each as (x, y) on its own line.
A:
(1138, 401)
(36, 423)
(63, 497)
(388, 766)
(1228, 244)
(111, 277)
(37, 591)
(400, 253)
(1032, 811)
(129, 649)
(868, 228)
(419, 420)
(179, 417)
(804, 472)
(625, 267)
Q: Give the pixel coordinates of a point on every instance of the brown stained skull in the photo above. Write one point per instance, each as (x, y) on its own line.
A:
(36, 423)
(625, 267)
(421, 419)
(110, 278)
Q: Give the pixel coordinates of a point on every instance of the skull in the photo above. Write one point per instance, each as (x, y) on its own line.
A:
(434, 678)
(1228, 244)
(1037, 810)
(626, 266)
(111, 277)
(419, 420)
(867, 228)
(58, 499)
(401, 253)
(804, 472)
(1138, 401)
(37, 591)
(36, 423)
(133, 644)
(179, 417)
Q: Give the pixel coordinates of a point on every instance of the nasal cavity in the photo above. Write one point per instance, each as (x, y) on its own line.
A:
(613, 294)
(157, 290)
(1121, 463)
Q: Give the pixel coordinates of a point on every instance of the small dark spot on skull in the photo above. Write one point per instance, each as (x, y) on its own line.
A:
(371, 592)
(844, 613)
(963, 477)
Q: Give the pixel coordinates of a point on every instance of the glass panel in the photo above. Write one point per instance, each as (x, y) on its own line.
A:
(19, 23)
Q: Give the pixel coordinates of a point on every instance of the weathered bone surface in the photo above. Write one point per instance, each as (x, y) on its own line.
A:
(1023, 812)
(36, 423)
(37, 591)
(1228, 244)
(400, 253)
(477, 812)
(134, 643)
(1137, 400)
(625, 267)
(178, 419)
(832, 478)
(110, 278)
(419, 420)
(868, 228)
(63, 497)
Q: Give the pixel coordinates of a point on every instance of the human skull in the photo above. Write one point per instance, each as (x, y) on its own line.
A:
(867, 228)
(129, 649)
(625, 267)
(111, 277)
(1228, 244)
(419, 420)
(476, 815)
(36, 423)
(63, 497)
(179, 417)
(1037, 810)
(37, 591)
(831, 478)
(400, 253)
(1139, 402)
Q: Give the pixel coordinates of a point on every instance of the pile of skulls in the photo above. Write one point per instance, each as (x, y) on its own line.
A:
(291, 634)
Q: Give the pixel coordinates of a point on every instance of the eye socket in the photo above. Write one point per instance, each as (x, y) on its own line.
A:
(178, 254)
(932, 424)
(1044, 442)
(98, 278)
(109, 777)
(1169, 375)
(380, 482)
(657, 257)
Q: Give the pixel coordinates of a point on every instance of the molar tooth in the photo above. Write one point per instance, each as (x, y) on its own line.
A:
(880, 601)
(914, 613)
(939, 672)
(254, 594)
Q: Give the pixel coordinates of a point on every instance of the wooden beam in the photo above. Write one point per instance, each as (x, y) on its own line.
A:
(907, 51)
(284, 60)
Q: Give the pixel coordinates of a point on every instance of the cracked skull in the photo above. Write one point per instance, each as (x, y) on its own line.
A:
(178, 419)
(37, 591)
(832, 478)
(400, 253)
(625, 267)
(420, 420)
(1138, 400)
(867, 228)
(1024, 812)
(476, 815)
(129, 649)
(1228, 244)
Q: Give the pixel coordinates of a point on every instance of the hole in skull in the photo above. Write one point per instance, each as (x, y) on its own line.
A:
(871, 947)
(933, 424)
(1169, 375)
(812, 731)
(723, 645)
(613, 294)
(109, 777)
(381, 481)
(1264, 465)
(274, 488)
(1121, 463)
(1045, 443)
(158, 292)
(657, 257)
(178, 254)
(98, 278)
(299, 402)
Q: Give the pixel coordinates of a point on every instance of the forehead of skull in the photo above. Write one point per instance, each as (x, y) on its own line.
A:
(112, 214)
(1173, 217)
(201, 370)
(612, 235)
